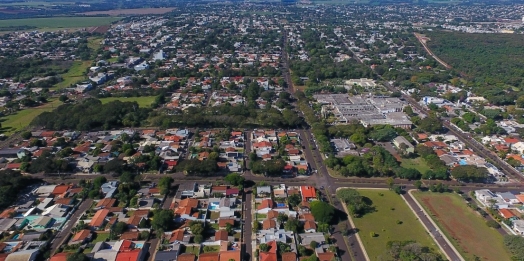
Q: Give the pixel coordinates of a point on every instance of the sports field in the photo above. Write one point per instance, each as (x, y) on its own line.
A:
(465, 228)
(21, 119)
(390, 208)
(144, 101)
(58, 22)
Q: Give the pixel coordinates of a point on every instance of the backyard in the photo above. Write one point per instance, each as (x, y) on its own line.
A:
(463, 226)
(143, 101)
(390, 210)
(416, 163)
(193, 250)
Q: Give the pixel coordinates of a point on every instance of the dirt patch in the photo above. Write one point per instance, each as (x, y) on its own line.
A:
(463, 226)
(99, 29)
(137, 11)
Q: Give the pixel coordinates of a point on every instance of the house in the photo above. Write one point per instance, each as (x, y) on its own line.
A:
(271, 254)
(308, 193)
(265, 206)
(208, 257)
(310, 226)
(269, 224)
(221, 235)
(289, 256)
(326, 256)
(81, 237)
(506, 213)
(518, 226)
(263, 191)
(307, 238)
(177, 236)
(134, 255)
(24, 255)
(222, 222)
(398, 141)
(182, 257)
(508, 197)
(232, 255)
(99, 219)
(59, 257)
(232, 192)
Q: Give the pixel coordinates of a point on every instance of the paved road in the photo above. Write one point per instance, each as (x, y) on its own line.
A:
(64, 233)
(432, 229)
(248, 228)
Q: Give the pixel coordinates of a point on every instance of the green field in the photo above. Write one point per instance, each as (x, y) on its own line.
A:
(74, 75)
(416, 163)
(59, 22)
(465, 228)
(144, 101)
(389, 208)
(23, 118)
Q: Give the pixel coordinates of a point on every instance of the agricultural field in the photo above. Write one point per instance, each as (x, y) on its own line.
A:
(464, 227)
(74, 75)
(136, 11)
(416, 163)
(389, 208)
(58, 22)
(21, 119)
(144, 101)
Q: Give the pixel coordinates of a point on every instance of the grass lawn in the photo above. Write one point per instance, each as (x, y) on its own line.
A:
(20, 120)
(193, 250)
(389, 208)
(416, 163)
(94, 43)
(74, 75)
(211, 249)
(143, 101)
(100, 237)
(214, 215)
(215, 226)
(260, 216)
(463, 226)
(59, 22)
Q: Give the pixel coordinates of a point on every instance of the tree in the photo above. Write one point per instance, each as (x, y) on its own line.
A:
(322, 211)
(198, 239)
(469, 173)
(294, 200)
(390, 182)
(163, 219)
(384, 134)
(120, 227)
(165, 184)
(63, 98)
(313, 244)
(263, 247)
(282, 218)
(77, 257)
(292, 224)
(197, 228)
(256, 226)
(357, 206)
(418, 184)
(26, 135)
(235, 179)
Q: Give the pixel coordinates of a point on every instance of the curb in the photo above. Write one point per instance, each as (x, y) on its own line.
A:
(434, 224)
(353, 226)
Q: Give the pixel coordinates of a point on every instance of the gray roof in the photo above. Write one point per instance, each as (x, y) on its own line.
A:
(6, 223)
(166, 256)
(26, 255)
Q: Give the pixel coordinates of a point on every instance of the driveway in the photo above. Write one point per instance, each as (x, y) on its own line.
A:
(63, 234)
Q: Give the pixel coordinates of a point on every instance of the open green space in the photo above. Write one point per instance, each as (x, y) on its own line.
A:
(389, 209)
(465, 228)
(143, 101)
(74, 75)
(211, 249)
(192, 250)
(58, 22)
(21, 119)
(100, 237)
(416, 163)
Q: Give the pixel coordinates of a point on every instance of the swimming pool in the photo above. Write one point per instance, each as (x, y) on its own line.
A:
(139, 245)
(463, 162)
(213, 205)
(15, 237)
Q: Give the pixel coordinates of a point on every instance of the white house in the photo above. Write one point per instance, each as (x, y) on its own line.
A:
(518, 226)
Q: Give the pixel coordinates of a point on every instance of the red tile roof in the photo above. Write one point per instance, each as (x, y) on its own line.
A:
(99, 218)
(59, 257)
(230, 255)
(221, 235)
(506, 213)
(266, 203)
(308, 192)
(130, 235)
(271, 255)
(177, 235)
(128, 255)
(186, 257)
(208, 257)
(327, 256)
(81, 235)
(289, 256)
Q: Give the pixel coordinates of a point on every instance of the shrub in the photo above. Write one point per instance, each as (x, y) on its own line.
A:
(373, 234)
(493, 224)
(399, 222)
